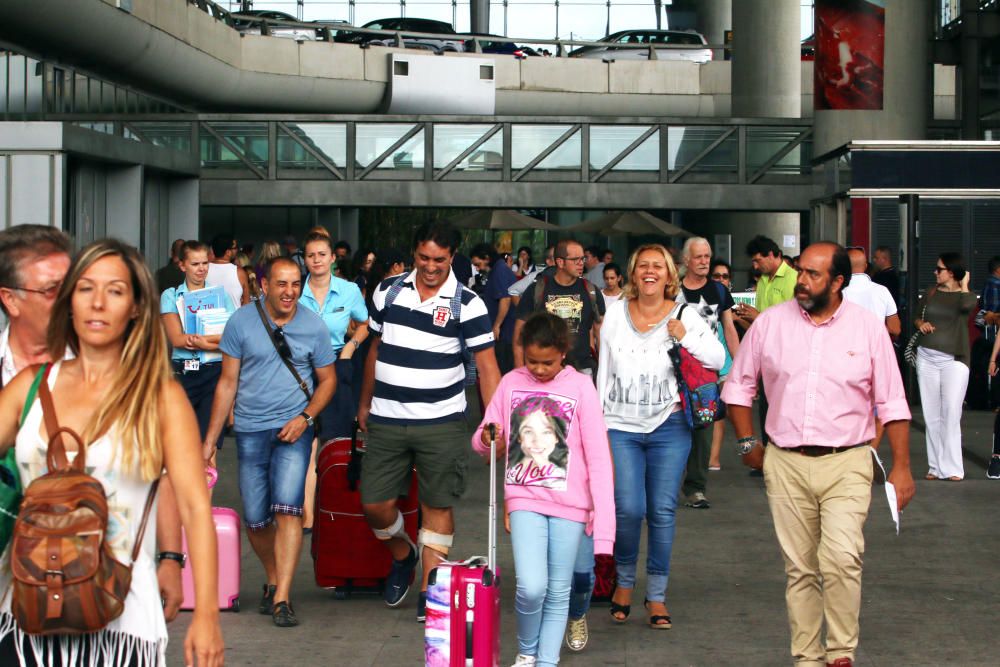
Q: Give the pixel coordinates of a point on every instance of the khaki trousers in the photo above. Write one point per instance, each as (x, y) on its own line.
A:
(819, 506)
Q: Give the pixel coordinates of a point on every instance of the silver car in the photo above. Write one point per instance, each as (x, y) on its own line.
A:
(633, 41)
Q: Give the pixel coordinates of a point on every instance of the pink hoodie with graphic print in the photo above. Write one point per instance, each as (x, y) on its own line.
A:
(558, 457)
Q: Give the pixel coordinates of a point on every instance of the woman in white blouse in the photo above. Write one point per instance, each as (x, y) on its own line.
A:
(650, 438)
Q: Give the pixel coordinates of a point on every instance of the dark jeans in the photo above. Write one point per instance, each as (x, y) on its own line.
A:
(336, 420)
(696, 478)
(200, 386)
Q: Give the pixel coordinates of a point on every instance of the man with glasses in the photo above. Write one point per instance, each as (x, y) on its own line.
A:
(34, 260)
(567, 295)
(274, 420)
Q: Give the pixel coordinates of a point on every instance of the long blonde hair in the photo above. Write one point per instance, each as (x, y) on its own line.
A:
(673, 285)
(132, 404)
(268, 251)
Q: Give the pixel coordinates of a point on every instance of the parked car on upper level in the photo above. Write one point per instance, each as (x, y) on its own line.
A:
(253, 26)
(400, 24)
(332, 26)
(487, 44)
(647, 38)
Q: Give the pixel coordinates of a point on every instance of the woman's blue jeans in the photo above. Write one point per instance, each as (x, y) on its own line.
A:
(544, 553)
(649, 469)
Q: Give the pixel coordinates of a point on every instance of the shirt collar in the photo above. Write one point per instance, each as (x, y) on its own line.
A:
(782, 270)
(836, 315)
(446, 291)
(860, 276)
(333, 289)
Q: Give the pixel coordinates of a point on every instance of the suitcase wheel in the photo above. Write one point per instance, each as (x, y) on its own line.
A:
(235, 606)
(341, 594)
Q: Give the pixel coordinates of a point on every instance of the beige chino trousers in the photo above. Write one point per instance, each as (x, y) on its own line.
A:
(819, 506)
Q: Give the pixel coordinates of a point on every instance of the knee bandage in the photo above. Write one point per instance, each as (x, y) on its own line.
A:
(435, 541)
(397, 529)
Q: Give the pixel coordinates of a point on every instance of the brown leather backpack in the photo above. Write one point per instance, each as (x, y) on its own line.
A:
(66, 578)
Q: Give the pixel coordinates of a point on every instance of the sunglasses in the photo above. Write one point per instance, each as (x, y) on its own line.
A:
(939, 269)
(284, 351)
(720, 276)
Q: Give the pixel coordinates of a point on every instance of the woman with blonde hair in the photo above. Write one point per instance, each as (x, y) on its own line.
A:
(244, 264)
(650, 437)
(268, 251)
(119, 395)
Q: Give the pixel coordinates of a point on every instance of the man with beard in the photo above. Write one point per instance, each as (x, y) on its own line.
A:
(825, 363)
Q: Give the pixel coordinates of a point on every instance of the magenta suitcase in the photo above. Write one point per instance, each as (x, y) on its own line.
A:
(227, 535)
(462, 626)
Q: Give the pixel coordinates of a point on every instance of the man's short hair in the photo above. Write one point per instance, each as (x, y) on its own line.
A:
(840, 265)
(884, 249)
(342, 244)
(277, 261)
(484, 251)
(694, 240)
(994, 263)
(763, 246)
(593, 250)
(27, 242)
(439, 233)
(221, 244)
(562, 248)
(191, 246)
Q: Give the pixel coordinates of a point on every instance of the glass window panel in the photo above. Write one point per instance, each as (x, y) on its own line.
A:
(373, 139)
(686, 143)
(175, 135)
(249, 138)
(450, 140)
(408, 156)
(488, 157)
(567, 156)
(765, 142)
(607, 141)
(327, 139)
(528, 141)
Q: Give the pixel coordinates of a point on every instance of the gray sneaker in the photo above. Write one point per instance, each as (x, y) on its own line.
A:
(698, 501)
(577, 633)
(993, 472)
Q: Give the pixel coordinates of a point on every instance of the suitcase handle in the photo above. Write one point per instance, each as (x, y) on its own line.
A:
(491, 562)
(354, 463)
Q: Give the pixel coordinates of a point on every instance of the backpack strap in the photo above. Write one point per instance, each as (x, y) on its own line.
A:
(288, 364)
(592, 293)
(56, 458)
(541, 282)
(145, 518)
(41, 373)
(394, 289)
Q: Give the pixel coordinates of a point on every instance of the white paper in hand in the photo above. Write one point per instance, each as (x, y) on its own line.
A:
(890, 490)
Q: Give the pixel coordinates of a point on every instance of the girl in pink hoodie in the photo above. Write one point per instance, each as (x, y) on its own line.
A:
(559, 482)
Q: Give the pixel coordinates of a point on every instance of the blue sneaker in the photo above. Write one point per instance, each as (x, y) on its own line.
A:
(398, 582)
(422, 607)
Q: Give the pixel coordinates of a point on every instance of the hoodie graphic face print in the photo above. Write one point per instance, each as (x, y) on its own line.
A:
(538, 454)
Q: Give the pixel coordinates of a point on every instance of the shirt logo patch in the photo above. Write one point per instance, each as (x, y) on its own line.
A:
(441, 316)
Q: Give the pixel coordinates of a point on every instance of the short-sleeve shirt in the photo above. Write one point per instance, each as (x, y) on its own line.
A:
(501, 278)
(267, 395)
(343, 303)
(780, 288)
(573, 305)
(168, 304)
(419, 372)
(870, 296)
(710, 300)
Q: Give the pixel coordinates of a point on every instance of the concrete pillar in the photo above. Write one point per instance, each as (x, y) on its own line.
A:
(124, 205)
(31, 189)
(342, 224)
(905, 102)
(479, 16)
(767, 70)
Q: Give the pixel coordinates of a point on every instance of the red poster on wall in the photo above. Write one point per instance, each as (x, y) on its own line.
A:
(850, 48)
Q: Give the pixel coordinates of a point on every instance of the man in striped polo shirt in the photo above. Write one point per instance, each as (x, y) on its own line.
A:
(413, 403)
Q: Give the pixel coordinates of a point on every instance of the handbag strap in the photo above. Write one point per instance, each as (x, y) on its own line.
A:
(57, 454)
(288, 364)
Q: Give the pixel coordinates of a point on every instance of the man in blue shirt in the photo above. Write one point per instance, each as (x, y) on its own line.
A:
(498, 301)
(274, 420)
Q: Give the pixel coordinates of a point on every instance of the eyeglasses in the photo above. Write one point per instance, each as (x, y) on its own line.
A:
(720, 276)
(49, 292)
(939, 269)
(279, 338)
(575, 260)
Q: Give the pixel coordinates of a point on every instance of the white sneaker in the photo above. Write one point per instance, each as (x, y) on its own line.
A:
(577, 634)
(524, 661)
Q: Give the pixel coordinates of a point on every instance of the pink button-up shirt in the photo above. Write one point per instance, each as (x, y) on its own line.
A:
(821, 380)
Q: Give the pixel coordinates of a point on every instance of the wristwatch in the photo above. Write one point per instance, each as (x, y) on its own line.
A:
(744, 445)
(172, 555)
(307, 417)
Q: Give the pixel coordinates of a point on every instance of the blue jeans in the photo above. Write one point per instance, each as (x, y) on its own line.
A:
(272, 475)
(649, 469)
(544, 552)
(583, 578)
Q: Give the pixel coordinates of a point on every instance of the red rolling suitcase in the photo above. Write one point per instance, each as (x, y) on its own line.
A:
(346, 554)
(462, 627)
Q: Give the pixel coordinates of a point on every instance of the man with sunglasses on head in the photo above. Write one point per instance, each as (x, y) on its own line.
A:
(34, 260)
(270, 353)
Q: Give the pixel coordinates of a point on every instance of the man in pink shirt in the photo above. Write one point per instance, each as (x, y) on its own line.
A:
(825, 363)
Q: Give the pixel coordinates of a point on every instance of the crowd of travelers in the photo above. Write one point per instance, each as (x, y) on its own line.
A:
(582, 367)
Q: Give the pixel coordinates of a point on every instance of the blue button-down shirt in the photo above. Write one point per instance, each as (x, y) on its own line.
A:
(342, 304)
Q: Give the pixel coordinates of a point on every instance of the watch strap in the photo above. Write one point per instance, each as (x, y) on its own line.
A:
(172, 555)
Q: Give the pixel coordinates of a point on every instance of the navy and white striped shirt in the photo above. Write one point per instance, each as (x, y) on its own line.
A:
(419, 374)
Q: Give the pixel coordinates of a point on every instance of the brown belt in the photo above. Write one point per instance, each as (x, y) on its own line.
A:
(818, 450)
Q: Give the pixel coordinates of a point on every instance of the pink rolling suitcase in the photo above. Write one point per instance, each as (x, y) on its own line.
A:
(227, 532)
(463, 603)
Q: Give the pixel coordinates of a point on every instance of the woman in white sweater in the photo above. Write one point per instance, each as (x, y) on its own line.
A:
(650, 438)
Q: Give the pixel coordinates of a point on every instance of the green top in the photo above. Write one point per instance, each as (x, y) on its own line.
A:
(780, 288)
(949, 313)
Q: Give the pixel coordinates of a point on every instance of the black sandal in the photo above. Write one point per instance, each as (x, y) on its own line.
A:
(623, 609)
(658, 622)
